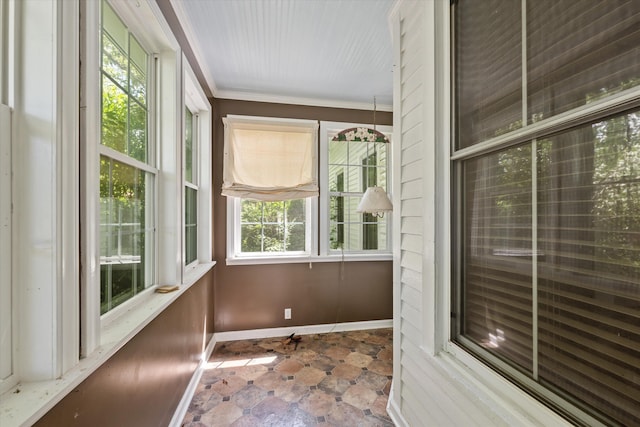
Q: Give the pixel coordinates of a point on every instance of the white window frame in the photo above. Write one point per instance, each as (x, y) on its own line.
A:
(7, 316)
(163, 126)
(193, 184)
(529, 132)
(149, 168)
(234, 256)
(7, 377)
(327, 131)
(196, 101)
(317, 210)
(57, 304)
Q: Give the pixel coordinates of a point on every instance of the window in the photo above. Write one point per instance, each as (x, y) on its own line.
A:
(271, 181)
(127, 172)
(352, 167)
(284, 229)
(548, 184)
(190, 186)
(274, 227)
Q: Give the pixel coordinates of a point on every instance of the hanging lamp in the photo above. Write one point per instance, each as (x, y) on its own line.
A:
(375, 200)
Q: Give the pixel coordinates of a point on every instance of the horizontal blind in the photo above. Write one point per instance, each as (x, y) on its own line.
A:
(579, 52)
(497, 279)
(585, 275)
(589, 271)
(488, 80)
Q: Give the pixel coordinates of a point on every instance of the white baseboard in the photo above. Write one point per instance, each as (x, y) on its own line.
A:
(183, 406)
(301, 330)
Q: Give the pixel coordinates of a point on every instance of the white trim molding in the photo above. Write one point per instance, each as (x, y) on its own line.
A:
(187, 397)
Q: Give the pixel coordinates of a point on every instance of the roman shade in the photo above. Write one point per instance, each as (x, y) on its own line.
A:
(270, 159)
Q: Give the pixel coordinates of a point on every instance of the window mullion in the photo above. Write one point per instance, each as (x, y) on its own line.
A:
(534, 256)
(123, 158)
(524, 62)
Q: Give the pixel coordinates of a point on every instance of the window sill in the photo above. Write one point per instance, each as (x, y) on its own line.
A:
(283, 259)
(27, 402)
(482, 392)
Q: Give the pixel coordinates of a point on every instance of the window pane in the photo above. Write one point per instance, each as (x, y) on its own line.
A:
(137, 131)
(589, 272)
(273, 226)
(191, 225)
(124, 89)
(114, 61)
(126, 232)
(251, 238)
(296, 238)
(488, 79)
(336, 178)
(188, 145)
(579, 52)
(114, 26)
(583, 268)
(353, 167)
(138, 56)
(338, 154)
(138, 84)
(114, 115)
(497, 282)
(273, 238)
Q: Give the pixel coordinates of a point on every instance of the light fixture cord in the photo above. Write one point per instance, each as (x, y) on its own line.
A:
(374, 113)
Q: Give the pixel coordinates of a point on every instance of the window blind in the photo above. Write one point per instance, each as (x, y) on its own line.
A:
(270, 160)
(549, 265)
(589, 277)
(489, 80)
(579, 52)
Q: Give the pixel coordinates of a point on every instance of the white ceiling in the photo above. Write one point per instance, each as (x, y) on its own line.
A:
(315, 52)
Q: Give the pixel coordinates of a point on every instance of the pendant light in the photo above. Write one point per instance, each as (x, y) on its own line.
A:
(375, 200)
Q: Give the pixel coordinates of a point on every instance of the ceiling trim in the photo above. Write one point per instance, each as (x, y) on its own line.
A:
(195, 45)
(313, 102)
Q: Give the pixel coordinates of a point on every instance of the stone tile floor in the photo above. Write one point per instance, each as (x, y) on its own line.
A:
(335, 379)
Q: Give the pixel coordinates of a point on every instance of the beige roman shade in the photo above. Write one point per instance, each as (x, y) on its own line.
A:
(270, 159)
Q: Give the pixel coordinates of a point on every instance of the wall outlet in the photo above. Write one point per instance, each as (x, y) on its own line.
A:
(287, 313)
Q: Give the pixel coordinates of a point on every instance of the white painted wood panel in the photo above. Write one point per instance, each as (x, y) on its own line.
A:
(412, 242)
(412, 189)
(411, 314)
(413, 205)
(411, 153)
(411, 260)
(412, 118)
(411, 171)
(411, 225)
(411, 101)
(411, 278)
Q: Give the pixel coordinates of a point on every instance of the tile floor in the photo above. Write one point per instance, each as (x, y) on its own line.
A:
(335, 379)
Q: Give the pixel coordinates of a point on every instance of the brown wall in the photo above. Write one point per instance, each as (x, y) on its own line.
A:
(142, 384)
(254, 296)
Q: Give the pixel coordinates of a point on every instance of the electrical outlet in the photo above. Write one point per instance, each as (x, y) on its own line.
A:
(287, 313)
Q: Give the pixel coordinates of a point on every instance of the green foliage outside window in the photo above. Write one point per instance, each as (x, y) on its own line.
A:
(273, 226)
(125, 190)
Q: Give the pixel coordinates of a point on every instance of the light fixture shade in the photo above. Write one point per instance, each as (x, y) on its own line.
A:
(375, 201)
